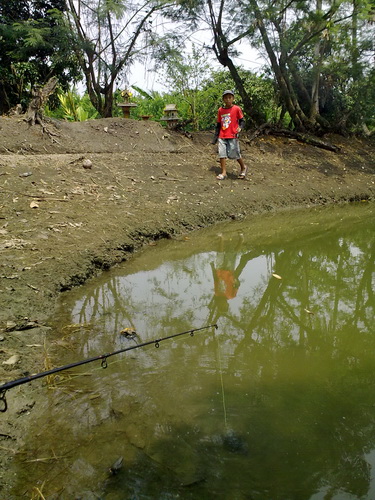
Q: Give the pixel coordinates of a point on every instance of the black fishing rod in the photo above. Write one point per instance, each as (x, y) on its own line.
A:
(104, 364)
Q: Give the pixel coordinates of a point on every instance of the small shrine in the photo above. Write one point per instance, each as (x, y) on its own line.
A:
(126, 105)
(170, 115)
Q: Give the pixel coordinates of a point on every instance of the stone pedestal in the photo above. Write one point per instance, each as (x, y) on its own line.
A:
(126, 106)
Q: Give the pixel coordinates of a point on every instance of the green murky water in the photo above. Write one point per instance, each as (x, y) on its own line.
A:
(277, 403)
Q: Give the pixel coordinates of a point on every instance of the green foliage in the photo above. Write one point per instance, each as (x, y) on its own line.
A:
(304, 40)
(143, 92)
(35, 44)
(185, 74)
(114, 7)
(150, 104)
(207, 99)
(328, 47)
(347, 102)
(34, 35)
(73, 107)
(197, 90)
(260, 89)
(108, 47)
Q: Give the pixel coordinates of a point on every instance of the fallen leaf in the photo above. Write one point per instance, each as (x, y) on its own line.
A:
(78, 190)
(128, 332)
(94, 396)
(12, 360)
(172, 198)
(44, 191)
(308, 312)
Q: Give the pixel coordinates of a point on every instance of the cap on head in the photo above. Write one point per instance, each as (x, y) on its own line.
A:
(226, 92)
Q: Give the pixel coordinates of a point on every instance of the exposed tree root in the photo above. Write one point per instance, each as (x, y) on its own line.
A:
(267, 129)
(34, 111)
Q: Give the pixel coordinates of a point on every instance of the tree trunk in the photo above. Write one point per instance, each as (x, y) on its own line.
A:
(254, 116)
(40, 96)
(266, 129)
(108, 100)
(300, 120)
(314, 109)
(220, 47)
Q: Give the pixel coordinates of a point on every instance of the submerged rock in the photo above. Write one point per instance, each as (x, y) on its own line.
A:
(234, 442)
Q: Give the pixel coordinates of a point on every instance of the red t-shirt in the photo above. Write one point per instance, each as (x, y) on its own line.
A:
(228, 119)
(225, 285)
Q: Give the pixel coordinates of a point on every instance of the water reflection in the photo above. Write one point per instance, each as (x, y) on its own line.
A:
(278, 403)
(326, 283)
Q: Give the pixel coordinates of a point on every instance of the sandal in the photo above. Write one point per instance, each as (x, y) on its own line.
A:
(221, 177)
(242, 174)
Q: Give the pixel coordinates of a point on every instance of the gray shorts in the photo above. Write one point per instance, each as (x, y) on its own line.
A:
(229, 148)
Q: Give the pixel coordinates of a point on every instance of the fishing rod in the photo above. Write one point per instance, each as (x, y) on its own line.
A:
(102, 357)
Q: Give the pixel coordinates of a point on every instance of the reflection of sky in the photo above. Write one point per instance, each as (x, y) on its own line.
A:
(188, 285)
(254, 274)
(143, 288)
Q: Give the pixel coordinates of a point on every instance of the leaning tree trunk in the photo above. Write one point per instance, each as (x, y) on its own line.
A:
(40, 96)
(221, 48)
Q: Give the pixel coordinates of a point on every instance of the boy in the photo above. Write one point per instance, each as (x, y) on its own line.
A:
(230, 121)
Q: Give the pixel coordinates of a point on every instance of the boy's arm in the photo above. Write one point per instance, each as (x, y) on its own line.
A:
(241, 124)
(217, 132)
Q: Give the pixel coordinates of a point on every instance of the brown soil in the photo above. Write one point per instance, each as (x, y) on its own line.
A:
(62, 223)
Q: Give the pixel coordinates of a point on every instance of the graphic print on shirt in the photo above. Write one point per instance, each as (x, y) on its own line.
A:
(225, 121)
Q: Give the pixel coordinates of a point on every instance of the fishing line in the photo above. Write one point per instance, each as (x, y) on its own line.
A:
(222, 384)
(102, 357)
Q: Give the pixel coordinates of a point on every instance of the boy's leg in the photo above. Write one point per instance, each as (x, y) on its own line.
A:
(223, 165)
(234, 152)
(222, 149)
(243, 172)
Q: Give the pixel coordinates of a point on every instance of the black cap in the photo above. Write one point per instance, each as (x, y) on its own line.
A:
(228, 92)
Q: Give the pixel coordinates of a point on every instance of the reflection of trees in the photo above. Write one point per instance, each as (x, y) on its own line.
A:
(103, 301)
(364, 305)
(325, 285)
(316, 296)
(336, 287)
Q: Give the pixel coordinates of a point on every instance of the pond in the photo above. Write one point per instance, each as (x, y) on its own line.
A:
(277, 402)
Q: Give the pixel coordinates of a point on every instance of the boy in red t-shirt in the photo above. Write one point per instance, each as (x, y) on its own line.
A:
(230, 121)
